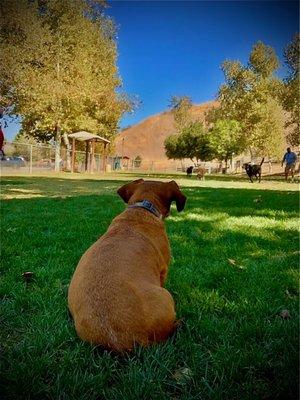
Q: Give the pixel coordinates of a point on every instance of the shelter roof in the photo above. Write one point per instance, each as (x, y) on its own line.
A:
(83, 136)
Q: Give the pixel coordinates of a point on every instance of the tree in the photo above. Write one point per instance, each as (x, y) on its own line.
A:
(245, 96)
(172, 147)
(290, 97)
(180, 107)
(22, 138)
(196, 143)
(192, 143)
(60, 71)
(226, 139)
(268, 132)
(263, 60)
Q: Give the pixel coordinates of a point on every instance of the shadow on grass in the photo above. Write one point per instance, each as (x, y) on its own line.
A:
(209, 177)
(54, 187)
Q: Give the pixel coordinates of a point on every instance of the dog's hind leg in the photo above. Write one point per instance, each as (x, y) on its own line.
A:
(161, 314)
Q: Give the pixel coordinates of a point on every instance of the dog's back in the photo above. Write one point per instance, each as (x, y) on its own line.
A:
(107, 295)
(116, 296)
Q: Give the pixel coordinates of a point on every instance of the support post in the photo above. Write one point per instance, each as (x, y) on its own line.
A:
(73, 155)
(30, 160)
(92, 156)
(104, 157)
(86, 156)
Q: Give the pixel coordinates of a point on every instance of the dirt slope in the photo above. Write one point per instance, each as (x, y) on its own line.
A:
(146, 139)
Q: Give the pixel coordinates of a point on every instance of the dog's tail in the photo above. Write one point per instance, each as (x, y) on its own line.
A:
(262, 161)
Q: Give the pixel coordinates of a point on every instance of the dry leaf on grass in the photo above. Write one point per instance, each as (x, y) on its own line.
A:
(181, 375)
(285, 314)
(258, 199)
(233, 262)
(28, 276)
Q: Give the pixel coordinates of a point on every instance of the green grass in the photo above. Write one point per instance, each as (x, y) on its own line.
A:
(233, 342)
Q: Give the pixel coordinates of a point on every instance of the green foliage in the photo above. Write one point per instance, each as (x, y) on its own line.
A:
(290, 94)
(60, 67)
(226, 138)
(268, 131)
(192, 143)
(292, 57)
(25, 139)
(195, 142)
(172, 147)
(180, 107)
(249, 94)
(263, 60)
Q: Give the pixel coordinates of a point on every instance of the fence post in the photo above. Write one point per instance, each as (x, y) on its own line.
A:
(30, 162)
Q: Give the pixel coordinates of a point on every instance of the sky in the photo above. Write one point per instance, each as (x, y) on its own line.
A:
(171, 48)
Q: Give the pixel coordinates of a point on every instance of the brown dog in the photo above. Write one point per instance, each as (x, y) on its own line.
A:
(116, 296)
(201, 173)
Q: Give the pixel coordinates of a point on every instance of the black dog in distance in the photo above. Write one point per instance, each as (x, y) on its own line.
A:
(189, 171)
(253, 170)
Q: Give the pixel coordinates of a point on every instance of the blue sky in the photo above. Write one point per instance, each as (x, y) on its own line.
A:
(176, 47)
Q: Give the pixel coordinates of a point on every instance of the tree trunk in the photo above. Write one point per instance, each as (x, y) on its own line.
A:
(226, 164)
(251, 153)
(68, 151)
(57, 148)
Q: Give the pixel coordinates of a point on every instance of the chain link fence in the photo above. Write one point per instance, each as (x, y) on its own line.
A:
(23, 157)
(28, 158)
(35, 158)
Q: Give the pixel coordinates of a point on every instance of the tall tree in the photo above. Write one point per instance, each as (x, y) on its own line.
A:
(60, 71)
(180, 107)
(192, 143)
(226, 139)
(245, 96)
(291, 98)
(172, 147)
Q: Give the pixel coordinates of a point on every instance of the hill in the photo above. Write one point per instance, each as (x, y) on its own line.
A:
(146, 139)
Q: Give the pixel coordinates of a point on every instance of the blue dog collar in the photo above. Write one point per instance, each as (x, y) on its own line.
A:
(147, 205)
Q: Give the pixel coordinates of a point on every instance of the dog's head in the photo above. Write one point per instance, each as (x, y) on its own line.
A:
(246, 166)
(161, 194)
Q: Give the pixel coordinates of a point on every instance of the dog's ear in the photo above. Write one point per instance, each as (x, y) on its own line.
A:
(177, 196)
(126, 191)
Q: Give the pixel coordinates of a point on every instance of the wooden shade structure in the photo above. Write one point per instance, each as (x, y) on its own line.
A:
(90, 139)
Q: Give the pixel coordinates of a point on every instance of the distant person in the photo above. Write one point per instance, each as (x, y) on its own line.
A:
(290, 159)
(2, 155)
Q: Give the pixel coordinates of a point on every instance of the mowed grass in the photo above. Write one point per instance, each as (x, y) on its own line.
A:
(234, 270)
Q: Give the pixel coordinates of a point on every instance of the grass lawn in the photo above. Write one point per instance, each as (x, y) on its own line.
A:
(234, 270)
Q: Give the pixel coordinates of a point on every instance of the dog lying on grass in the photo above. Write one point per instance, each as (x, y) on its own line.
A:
(253, 170)
(116, 295)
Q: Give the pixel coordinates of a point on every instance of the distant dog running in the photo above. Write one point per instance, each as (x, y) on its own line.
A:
(253, 170)
(189, 171)
(201, 173)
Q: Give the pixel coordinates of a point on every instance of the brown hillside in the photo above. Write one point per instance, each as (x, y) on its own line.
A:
(146, 139)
